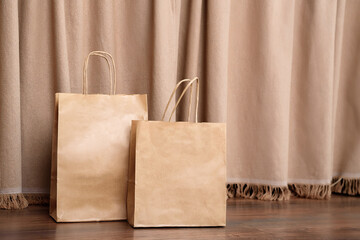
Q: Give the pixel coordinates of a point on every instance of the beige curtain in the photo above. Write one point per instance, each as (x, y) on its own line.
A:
(284, 76)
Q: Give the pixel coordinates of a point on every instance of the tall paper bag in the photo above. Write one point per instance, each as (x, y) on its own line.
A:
(90, 156)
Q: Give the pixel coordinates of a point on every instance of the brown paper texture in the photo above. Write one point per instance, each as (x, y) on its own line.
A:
(177, 174)
(90, 155)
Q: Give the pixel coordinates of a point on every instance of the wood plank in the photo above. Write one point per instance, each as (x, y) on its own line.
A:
(338, 218)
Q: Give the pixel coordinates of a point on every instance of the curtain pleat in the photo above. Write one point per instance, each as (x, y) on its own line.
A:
(347, 135)
(10, 110)
(260, 69)
(10, 124)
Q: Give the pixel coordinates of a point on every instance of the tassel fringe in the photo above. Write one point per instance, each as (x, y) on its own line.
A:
(348, 186)
(345, 186)
(21, 201)
(13, 201)
(37, 198)
(261, 192)
(313, 191)
(253, 191)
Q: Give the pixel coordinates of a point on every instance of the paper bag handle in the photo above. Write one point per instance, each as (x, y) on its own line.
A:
(112, 74)
(189, 85)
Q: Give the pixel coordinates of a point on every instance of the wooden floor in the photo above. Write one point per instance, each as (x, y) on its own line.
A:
(338, 218)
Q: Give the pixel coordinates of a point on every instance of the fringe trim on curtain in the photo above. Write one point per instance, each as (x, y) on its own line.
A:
(37, 198)
(253, 191)
(313, 191)
(22, 200)
(261, 192)
(348, 186)
(13, 201)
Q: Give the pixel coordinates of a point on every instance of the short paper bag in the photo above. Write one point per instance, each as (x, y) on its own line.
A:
(177, 172)
(89, 168)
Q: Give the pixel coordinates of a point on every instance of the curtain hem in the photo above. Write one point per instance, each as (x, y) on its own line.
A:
(37, 198)
(257, 191)
(347, 186)
(312, 191)
(13, 201)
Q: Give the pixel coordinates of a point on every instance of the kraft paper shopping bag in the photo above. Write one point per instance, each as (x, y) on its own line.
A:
(89, 168)
(177, 172)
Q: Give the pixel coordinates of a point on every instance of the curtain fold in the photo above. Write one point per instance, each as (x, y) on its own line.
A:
(284, 76)
(347, 135)
(311, 114)
(10, 109)
(261, 43)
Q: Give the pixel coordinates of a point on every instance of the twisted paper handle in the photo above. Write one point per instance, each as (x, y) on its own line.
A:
(112, 74)
(189, 85)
